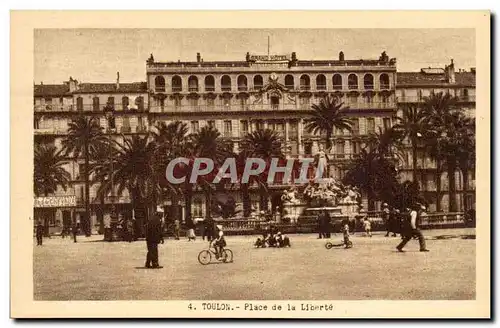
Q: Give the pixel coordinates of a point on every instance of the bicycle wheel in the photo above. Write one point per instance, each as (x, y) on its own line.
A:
(204, 257)
(227, 256)
(328, 245)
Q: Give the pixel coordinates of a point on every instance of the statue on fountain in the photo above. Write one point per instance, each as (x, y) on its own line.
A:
(290, 196)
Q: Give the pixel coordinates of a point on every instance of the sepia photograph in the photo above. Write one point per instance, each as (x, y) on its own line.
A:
(240, 169)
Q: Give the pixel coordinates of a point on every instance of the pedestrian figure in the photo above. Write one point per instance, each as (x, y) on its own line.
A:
(177, 229)
(39, 233)
(130, 230)
(345, 232)
(368, 226)
(74, 231)
(386, 217)
(190, 232)
(321, 224)
(210, 228)
(393, 222)
(327, 225)
(107, 226)
(411, 229)
(153, 238)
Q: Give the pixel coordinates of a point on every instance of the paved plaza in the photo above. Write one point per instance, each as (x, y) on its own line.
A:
(371, 270)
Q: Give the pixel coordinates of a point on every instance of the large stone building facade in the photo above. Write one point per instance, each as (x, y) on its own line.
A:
(238, 97)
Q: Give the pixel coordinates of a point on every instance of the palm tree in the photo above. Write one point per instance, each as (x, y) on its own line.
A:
(327, 116)
(386, 143)
(100, 159)
(374, 174)
(208, 143)
(132, 170)
(49, 172)
(170, 142)
(413, 126)
(466, 154)
(83, 138)
(265, 144)
(439, 110)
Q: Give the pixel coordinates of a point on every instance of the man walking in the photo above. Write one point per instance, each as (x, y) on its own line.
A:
(74, 231)
(386, 217)
(410, 229)
(39, 233)
(153, 238)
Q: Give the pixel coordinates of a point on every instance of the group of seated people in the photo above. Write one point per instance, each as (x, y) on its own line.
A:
(272, 239)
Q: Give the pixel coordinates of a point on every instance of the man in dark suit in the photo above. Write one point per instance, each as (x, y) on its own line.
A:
(39, 229)
(153, 238)
(411, 229)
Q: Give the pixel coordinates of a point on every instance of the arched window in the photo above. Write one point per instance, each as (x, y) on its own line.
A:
(79, 103)
(176, 84)
(225, 83)
(258, 82)
(368, 82)
(352, 81)
(305, 82)
(95, 103)
(209, 83)
(159, 83)
(320, 82)
(289, 82)
(384, 81)
(193, 84)
(242, 83)
(125, 102)
(337, 82)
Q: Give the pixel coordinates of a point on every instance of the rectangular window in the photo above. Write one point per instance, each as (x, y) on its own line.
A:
(387, 123)
(226, 102)
(243, 103)
(260, 125)
(81, 171)
(355, 126)
(304, 102)
(227, 128)
(126, 125)
(355, 147)
(177, 102)
(195, 126)
(140, 124)
(95, 103)
(370, 125)
(244, 128)
(48, 103)
(211, 124)
(193, 102)
(340, 149)
(210, 102)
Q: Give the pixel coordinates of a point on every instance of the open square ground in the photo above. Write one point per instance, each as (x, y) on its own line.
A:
(371, 270)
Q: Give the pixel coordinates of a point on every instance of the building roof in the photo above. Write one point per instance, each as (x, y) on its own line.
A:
(111, 87)
(51, 90)
(424, 79)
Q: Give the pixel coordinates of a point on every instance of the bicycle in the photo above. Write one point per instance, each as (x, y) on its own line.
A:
(205, 256)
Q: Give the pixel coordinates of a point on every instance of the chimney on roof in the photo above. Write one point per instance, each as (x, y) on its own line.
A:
(73, 84)
(473, 70)
(117, 80)
(449, 72)
(198, 57)
(341, 56)
(294, 56)
(41, 82)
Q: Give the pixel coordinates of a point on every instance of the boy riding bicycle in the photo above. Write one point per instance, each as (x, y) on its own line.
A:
(219, 243)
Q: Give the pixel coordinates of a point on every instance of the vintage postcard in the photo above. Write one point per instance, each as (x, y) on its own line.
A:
(250, 164)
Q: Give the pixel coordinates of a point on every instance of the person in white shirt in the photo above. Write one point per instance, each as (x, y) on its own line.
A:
(368, 227)
(411, 229)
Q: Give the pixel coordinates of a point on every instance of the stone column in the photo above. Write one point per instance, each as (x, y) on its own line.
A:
(299, 137)
(287, 127)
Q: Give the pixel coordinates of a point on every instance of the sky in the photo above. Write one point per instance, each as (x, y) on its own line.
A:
(95, 55)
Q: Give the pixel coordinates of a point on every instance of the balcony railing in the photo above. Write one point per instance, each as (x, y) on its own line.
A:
(321, 87)
(193, 88)
(209, 88)
(176, 89)
(385, 86)
(290, 86)
(337, 87)
(305, 87)
(242, 88)
(95, 108)
(368, 86)
(160, 89)
(353, 87)
(54, 107)
(416, 99)
(225, 87)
